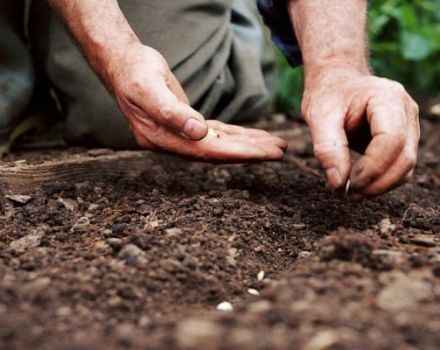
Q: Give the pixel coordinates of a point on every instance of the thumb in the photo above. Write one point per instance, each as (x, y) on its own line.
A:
(331, 148)
(175, 113)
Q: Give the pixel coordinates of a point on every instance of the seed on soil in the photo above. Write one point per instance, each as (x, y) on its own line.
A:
(253, 291)
(261, 276)
(19, 198)
(225, 306)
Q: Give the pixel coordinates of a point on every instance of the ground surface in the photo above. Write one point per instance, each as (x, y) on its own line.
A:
(143, 262)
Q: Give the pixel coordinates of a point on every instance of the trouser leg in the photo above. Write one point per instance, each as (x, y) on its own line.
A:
(219, 70)
(16, 68)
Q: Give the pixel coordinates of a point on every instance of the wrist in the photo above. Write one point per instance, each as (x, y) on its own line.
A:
(334, 69)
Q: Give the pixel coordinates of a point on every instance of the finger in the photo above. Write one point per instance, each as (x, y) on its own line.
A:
(388, 128)
(253, 134)
(331, 148)
(403, 167)
(235, 129)
(226, 148)
(395, 175)
(165, 107)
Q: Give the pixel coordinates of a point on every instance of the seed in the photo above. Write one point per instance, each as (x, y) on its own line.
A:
(225, 306)
(260, 276)
(213, 133)
(347, 187)
(252, 291)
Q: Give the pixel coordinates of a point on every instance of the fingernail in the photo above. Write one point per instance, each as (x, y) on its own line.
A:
(195, 129)
(334, 178)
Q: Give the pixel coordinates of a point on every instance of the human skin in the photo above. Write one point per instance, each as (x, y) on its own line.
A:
(150, 96)
(342, 96)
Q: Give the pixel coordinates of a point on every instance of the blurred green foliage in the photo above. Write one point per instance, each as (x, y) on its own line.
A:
(405, 46)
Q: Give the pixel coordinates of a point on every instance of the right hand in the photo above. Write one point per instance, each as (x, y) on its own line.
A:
(161, 119)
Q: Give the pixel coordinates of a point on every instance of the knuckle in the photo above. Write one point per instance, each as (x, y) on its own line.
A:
(165, 112)
(398, 89)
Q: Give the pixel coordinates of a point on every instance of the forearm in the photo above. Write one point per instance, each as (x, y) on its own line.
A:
(100, 29)
(330, 33)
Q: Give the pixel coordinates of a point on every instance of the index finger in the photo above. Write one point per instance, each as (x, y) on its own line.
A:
(387, 121)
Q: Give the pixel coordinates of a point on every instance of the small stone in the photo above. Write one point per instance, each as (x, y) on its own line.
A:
(118, 228)
(404, 293)
(32, 240)
(93, 207)
(173, 231)
(423, 240)
(253, 291)
(261, 276)
(115, 244)
(225, 306)
(198, 334)
(394, 257)
(133, 255)
(260, 307)
(69, 204)
(19, 198)
(386, 227)
(304, 255)
(81, 224)
(323, 340)
(101, 246)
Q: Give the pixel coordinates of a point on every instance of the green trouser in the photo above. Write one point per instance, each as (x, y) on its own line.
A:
(216, 48)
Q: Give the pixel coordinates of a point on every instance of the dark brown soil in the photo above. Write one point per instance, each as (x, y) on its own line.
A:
(143, 262)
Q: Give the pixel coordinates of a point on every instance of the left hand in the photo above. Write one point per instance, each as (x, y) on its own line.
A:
(341, 106)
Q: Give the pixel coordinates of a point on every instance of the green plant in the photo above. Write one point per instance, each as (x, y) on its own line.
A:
(405, 42)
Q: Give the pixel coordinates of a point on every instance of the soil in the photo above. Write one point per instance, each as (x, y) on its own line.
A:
(143, 262)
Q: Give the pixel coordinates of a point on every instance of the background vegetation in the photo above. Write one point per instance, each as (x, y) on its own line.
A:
(405, 46)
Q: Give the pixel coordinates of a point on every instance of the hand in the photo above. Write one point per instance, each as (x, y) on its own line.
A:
(161, 119)
(341, 107)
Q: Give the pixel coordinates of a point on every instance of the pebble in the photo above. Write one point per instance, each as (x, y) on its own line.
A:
(404, 293)
(386, 227)
(133, 255)
(423, 240)
(81, 224)
(115, 243)
(394, 257)
(69, 204)
(32, 240)
(19, 198)
(173, 231)
(323, 340)
(253, 291)
(225, 306)
(198, 334)
(259, 307)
